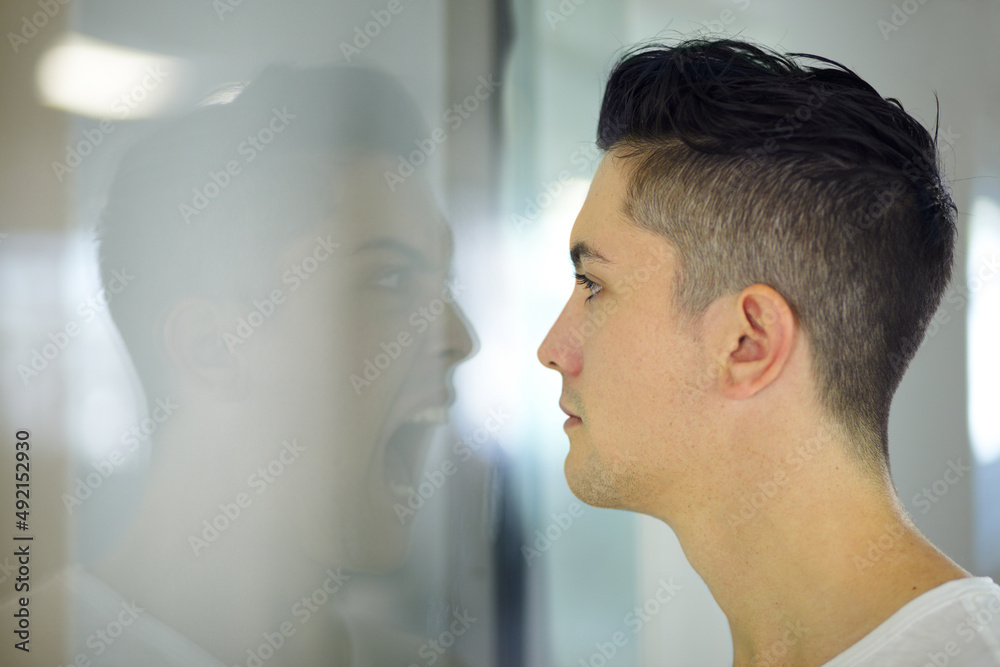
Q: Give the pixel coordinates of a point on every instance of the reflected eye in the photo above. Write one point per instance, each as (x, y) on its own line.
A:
(399, 282)
(589, 284)
(390, 280)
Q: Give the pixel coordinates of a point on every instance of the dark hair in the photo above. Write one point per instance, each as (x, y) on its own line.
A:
(759, 170)
(225, 243)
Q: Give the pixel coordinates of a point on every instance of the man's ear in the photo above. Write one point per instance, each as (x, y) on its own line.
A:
(193, 340)
(759, 335)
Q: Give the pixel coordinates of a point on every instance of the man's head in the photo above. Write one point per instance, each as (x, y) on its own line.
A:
(779, 239)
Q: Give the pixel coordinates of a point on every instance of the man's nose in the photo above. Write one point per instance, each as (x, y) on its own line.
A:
(561, 350)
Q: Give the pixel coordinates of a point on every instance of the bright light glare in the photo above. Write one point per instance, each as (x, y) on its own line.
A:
(983, 358)
(93, 78)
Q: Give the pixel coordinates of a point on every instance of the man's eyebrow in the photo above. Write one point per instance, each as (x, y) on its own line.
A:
(582, 250)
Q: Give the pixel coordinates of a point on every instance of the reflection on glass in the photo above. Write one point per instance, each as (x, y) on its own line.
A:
(289, 313)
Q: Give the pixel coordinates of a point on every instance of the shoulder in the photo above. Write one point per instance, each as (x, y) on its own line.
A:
(956, 623)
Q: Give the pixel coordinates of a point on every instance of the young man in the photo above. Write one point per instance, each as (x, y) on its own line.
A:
(760, 252)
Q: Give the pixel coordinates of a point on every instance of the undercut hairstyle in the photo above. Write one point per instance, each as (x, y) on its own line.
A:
(757, 169)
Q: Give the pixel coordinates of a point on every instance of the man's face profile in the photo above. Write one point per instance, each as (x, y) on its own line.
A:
(629, 365)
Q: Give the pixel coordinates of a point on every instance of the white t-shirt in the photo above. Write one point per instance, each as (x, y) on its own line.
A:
(956, 624)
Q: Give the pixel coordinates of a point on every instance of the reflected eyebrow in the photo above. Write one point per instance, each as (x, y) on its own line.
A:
(582, 250)
(410, 252)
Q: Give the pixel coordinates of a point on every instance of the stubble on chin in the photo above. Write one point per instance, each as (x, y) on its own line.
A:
(598, 486)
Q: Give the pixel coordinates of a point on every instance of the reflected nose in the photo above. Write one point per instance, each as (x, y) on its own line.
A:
(452, 338)
(460, 340)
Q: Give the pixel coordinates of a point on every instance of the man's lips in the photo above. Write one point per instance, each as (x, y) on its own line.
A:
(568, 413)
(573, 420)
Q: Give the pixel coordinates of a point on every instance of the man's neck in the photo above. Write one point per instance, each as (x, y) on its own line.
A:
(805, 567)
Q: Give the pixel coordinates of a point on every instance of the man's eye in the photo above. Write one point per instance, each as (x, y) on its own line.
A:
(589, 284)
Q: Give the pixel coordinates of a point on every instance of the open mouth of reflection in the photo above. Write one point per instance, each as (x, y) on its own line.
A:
(406, 449)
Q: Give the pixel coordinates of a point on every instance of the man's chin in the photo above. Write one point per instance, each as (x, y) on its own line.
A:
(590, 483)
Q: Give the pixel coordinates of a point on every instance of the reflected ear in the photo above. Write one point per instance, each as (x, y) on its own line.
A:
(193, 338)
(759, 340)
